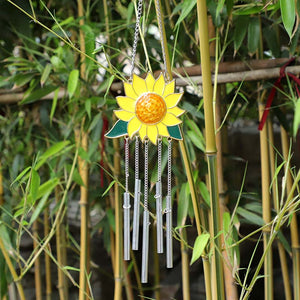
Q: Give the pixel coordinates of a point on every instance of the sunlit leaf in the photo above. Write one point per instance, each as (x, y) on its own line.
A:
(73, 82)
(288, 15)
(199, 246)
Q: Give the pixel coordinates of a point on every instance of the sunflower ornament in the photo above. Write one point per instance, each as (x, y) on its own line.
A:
(148, 112)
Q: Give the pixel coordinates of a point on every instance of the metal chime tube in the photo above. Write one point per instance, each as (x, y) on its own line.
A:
(158, 197)
(146, 224)
(126, 206)
(169, 241)
(137, 196)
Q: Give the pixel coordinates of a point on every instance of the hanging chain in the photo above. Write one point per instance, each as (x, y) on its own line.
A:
(136, 34)
(137, 162)
(126, 163)
(163, 46)
(146, 177)
(159, 159)
(169, 167)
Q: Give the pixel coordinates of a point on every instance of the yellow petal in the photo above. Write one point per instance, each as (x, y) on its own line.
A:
(139, 85)
(169, 89)
(172, 100)
(143, 132)
(126, 103)
(129, 91)
(124, 115)
(150, 82)
(170, 120)
(133, 126)
(176, 111)
(152, 133)
(159, 85)
(162, 129)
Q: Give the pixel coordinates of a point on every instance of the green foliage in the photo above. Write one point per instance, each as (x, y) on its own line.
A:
(199, 246)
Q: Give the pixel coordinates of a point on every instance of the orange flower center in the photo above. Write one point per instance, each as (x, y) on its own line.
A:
(150, 108)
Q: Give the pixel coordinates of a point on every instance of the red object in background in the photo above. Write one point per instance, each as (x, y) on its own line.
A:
(277, 85)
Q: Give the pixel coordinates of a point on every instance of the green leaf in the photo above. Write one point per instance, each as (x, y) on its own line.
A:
(204, 192)
(34, 184)
(187, 7)
(45, 74)
(22, 78)
(21, 175)
(253, 34)
(54, 103)
(108, 188)
(240, 30)
(296, 122)
(251, 217)
(88, 107)
(39, 208)
(199, 246)
(38, 94)
(45, 188)
(73, 82)
(183, 205)
(175, 132)
(118, 130)
(288, 15)
(196, 140)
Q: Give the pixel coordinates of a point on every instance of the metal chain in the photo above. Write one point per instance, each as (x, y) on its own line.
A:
(169, 167)
(146, 177)
(160, 27)
(126, 163)
(159, 149)
(137, 162)
(136, 34)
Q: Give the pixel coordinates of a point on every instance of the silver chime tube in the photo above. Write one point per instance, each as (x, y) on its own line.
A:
(159, 227)
(146, 224)
(126, 212)
(145, 250)
(136, 215)
(169, 241)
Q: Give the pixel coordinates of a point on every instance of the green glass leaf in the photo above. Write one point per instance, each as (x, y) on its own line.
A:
(175, 132)
(118, 130)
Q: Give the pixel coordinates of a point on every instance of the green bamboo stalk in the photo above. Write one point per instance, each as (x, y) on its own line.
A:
(12, 270)
(294, 224)
(37, 263)
(211, 150)
(186, 161)
(266, 205)
(60, 244)
(281, 250)
(118, 222)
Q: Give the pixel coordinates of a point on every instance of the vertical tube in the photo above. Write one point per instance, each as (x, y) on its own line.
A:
(159, 227)
(145, 251)
(169, 233)
(126, 211)
(136, 215)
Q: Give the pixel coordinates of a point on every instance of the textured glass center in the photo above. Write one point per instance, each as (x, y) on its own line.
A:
(150, 108)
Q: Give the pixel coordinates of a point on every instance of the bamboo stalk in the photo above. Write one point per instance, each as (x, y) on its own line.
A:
(156, 265)
(60, 245)
(294, 224)
(186, 161)
(137, 275)
(12, 270)
(230, 286)
(281, 250)
(1, 186)
(47, 257)
(82, 140)
(266, 205)
(118, 222)
(127, 279)
(217, 280)
(37, 263)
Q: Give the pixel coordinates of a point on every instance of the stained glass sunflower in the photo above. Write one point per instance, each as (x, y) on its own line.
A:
(149, 108)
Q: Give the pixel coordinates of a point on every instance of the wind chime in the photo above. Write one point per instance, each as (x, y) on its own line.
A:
(148, 113)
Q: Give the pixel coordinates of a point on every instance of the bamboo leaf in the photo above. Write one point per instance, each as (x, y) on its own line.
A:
(39, 208)
(38, 94)
(34, 184)
(187, 7)
(45, 74)
(183, 204)
(296, 122)
(54, 103)
(199, 246)
(21, 175)
(73, 82)
(204, 192)
(108, 188)
(251, 217)
(288, 14)
(240, 30)
(88, 107)
(253, 34)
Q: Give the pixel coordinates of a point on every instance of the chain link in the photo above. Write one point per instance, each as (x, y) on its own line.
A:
(169, 167)
(159, 150)
(146, 177)
(137, 162)
(136, 34)
(126, 163)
